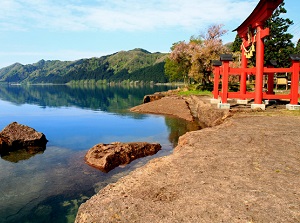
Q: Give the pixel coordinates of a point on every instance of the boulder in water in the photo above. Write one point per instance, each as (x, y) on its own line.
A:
(16, 136)
(108, 156)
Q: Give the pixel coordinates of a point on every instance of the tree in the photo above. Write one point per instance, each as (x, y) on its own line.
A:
(236, 45)
(179, 62)
(193, 59)
(297, 48)
(172, 70)
(279, 45)
(210, 49)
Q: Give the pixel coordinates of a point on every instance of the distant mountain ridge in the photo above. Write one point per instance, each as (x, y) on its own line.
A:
(134, 65)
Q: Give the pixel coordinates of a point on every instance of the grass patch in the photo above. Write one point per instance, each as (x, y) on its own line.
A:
(291, 112)
(195, 92)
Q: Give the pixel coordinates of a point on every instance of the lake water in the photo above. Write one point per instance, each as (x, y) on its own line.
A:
(50, 186)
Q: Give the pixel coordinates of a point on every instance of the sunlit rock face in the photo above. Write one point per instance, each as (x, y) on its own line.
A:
(108, 156)
(15, 137)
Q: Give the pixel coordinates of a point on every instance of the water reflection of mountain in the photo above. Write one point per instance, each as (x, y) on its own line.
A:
(104, 98)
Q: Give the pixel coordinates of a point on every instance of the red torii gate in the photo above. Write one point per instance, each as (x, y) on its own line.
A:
(252, 32)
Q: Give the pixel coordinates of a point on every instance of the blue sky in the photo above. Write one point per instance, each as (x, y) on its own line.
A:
(31, 30)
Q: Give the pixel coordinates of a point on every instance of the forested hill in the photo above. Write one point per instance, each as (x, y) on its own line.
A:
(133, 65)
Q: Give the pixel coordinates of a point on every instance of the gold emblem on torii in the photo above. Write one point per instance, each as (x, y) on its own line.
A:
(249, 53)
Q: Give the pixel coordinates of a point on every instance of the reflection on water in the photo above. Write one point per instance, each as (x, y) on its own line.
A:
(104, 98)
(177, 128)
(49, 186)
(22, 154)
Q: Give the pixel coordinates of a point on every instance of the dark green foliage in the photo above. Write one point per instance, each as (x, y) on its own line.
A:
(297, 49)
(137, 64)
(120, 76)
(205, 87)
(279, 45)
(174, 71)
(148, 74)
(133, 60)
(236, 45)
(153, 73)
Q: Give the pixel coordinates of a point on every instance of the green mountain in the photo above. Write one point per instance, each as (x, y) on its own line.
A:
(133, 65)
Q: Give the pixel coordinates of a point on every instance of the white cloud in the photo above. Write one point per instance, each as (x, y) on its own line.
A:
(128, 15)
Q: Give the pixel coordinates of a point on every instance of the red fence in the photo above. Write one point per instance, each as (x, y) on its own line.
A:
(222, 69)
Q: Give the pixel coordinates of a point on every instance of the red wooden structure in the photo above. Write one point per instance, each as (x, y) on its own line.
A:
(252, 32)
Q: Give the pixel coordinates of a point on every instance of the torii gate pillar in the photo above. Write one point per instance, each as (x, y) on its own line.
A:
(243, 80)
(260, 52)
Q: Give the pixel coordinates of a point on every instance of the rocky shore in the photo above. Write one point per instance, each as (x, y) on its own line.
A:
(241, 168)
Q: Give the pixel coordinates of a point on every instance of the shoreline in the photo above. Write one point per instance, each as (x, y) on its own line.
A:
(246, 169)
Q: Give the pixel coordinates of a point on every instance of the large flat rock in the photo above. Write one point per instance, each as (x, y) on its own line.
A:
(108, 156)
(169, 105)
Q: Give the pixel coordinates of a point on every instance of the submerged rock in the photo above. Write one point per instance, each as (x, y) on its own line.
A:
(16, 136)
(108, 156)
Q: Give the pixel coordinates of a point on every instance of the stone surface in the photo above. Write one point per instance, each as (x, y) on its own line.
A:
(193, 108)
(206, 114)
(223, 106)
(152, 97)
(169, 105)
(242, 102)
(108, 156)
(258, 106)
(16, 136)
(292, 107)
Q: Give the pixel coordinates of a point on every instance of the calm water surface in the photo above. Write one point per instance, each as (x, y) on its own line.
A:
(50, 186)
